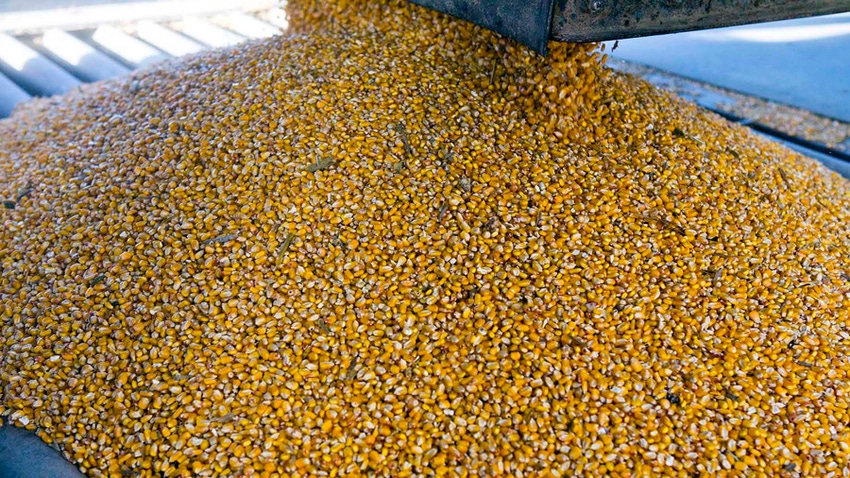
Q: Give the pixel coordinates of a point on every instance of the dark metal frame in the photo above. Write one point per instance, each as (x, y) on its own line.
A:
(526, 21)
(535, 22)
(596, 20)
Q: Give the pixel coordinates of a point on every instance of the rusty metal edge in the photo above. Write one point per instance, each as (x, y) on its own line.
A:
(599, 20)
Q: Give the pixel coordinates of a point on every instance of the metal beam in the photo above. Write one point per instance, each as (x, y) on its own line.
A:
(526, 21)
(32, 70)
(10, 95)
(597, 20)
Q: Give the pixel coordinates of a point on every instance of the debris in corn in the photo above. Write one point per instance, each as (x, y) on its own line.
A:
(572, 274)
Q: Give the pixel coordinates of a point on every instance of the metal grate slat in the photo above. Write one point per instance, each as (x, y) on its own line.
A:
(276, 17)
(166, 39)
(79, 57)
(127, 48)
(208, 33)
(10, 95)
(248, 26)
(31, 70)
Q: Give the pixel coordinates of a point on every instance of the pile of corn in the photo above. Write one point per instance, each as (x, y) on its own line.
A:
(391, 243)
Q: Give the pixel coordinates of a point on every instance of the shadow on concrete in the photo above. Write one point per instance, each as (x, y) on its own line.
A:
(803, 63)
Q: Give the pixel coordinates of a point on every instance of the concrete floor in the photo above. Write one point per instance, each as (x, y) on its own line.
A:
(24, 455)
(803, 63)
